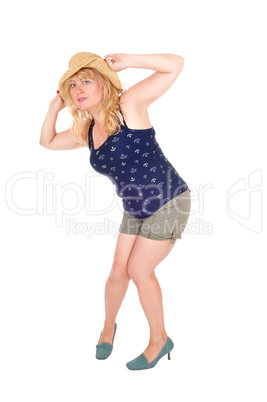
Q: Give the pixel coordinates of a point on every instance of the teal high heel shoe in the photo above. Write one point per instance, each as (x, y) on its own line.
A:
(104, 349)
(141, 362)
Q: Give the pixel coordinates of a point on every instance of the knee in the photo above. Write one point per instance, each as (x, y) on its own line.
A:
(118, 273)
(137, 273)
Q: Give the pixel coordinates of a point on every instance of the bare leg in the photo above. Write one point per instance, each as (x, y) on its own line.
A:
(117, 284)
(145, 256)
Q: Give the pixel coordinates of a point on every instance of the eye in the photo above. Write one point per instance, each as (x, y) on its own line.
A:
(87, 82)
(72, 85)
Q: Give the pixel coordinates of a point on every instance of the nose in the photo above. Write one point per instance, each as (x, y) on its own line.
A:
(78, 89)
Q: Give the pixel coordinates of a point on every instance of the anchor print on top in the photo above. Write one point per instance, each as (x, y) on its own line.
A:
(137, 166)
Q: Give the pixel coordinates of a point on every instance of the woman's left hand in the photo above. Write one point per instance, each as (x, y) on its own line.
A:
(117, 61)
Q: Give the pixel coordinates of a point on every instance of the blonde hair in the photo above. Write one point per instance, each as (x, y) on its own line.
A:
(110, 107)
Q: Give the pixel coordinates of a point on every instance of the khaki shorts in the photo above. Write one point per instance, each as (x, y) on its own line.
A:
(168, 222)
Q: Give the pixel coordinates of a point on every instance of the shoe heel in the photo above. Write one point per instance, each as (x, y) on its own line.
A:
(169, 355)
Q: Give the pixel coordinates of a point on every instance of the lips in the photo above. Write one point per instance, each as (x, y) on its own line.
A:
(81, 99)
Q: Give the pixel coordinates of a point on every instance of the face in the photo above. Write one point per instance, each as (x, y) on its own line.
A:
(86, 93)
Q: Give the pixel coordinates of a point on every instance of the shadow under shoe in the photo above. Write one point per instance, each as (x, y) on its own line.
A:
(104, 349)
(141, 362)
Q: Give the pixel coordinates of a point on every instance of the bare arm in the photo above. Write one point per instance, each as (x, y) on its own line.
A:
(167, 67)
(49, 138)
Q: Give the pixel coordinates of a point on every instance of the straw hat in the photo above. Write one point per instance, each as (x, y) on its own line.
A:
(86, 59)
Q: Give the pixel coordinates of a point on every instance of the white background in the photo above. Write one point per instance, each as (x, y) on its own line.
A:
(211, 125)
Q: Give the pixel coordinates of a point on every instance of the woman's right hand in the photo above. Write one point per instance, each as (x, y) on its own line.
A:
(57, 104)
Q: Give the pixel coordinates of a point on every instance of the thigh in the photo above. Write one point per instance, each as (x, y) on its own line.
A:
(123, 249)
(146, 255)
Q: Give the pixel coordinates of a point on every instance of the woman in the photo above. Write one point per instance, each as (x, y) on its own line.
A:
(156, 200)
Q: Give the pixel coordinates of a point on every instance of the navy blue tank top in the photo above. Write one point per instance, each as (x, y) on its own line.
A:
(137, 166)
